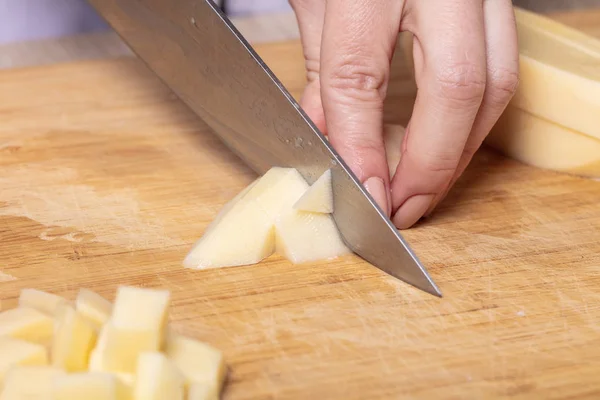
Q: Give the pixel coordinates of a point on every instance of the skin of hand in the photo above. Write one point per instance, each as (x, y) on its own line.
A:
(466, 68)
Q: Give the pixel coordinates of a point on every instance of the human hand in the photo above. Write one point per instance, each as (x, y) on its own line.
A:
(466, 69)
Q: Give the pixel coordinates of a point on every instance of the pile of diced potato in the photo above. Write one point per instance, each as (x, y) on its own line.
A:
(52, 349)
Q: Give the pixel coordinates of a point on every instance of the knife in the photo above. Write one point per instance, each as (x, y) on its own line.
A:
(198, 53)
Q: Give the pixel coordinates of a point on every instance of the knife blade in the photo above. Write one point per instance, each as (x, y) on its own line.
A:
(200, 55)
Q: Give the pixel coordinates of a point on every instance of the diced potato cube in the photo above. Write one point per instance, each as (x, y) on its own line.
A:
(74, 340)
(26, 323)
(202, 391)
(30, 383)
(137, 325)
(89, 386)
(157, 378)
(308, 237)
(199, 362)
(93, 306)
(19, 352)
(45, 302)
(319, 197)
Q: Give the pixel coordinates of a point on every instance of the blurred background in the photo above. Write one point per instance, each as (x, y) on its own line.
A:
(23, 20)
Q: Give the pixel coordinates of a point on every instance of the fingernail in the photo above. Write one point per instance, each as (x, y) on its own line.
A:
(412, 210)
(376, 189)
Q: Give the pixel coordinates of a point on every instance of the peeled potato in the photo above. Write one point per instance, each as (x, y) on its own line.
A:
(14, 352)
(89, 386)
(27, 324)
(45, 302)
(30, 382)
(94, 307)
(73, 341)
(319, 197)
(157, 378)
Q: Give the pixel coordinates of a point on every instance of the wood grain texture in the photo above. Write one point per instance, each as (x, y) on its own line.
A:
(107, 179)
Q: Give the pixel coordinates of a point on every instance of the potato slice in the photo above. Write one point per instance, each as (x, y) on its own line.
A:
(27, 324)
(137, 325)
(89, 386)
(157, 378)
(30, 383)
(199, 362)
(94, 307)
(319, 197)
(73, 341)
(16, 352)
(45, 302)
(539, 143)
(242, 233)
(306, 237)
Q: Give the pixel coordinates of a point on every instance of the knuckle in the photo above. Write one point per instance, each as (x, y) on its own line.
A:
(462, 83)
(441, 163)
(503, 83)
(359, 78)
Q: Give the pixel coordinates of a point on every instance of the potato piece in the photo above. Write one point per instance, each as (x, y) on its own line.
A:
(15, 352)
(73, 341)
(137, 325)
(157, 378)
(559, 73)
(242, 233)
(26, 323)
(306, 237)
(45, 302)
(319, 197)
(30, 383)
(94, 307)
(539, 143)
(199, 362)
(201, 391)
(89, 386)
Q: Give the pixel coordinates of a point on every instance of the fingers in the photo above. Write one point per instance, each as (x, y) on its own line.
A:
(356, 49)
(502, 75)
(450, 69)
(310, 15)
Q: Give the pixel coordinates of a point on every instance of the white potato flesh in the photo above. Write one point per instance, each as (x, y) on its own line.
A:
(307, 237)
(73, 341)
(158, 378)
(27, 324)
(319, 197)
(30, 383)
(93, 306)
(45, 302)
(89, 386)
(199, 362)
(242, 233)
(137, 324)
(14, 352)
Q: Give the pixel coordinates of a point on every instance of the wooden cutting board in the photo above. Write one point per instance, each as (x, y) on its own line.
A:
(107, 179)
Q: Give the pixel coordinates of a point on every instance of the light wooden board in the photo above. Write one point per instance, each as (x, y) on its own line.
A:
(106, 179)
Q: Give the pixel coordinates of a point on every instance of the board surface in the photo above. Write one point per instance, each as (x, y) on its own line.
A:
(107, 179)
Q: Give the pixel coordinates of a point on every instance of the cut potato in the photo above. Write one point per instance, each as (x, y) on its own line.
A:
(199, 362)
(27, 324)
(73, 341)
(306, 237)
(14, 352)
(201, 391)
(89, 386)
(96, 362)
(559, 73)
(542, 144)
(137, 325)
(45, 302)
(157, 378)
(319, 197)
(94, 307)
(30, 383)
(242, 233)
